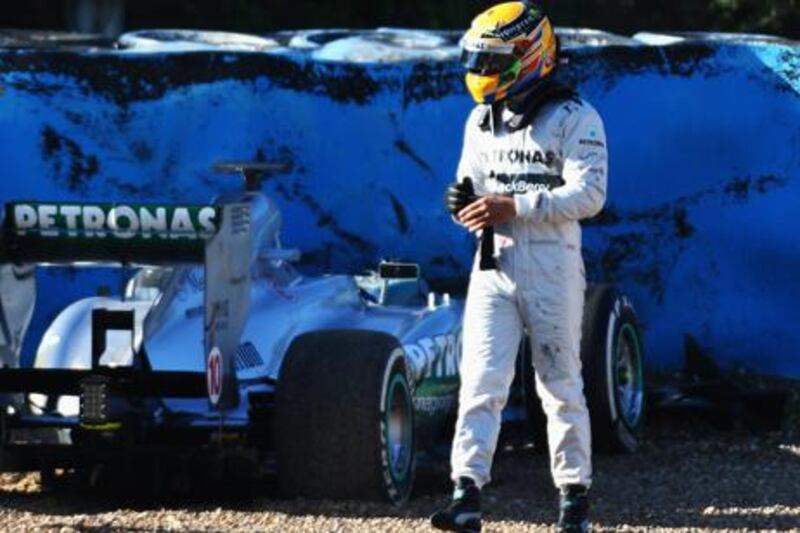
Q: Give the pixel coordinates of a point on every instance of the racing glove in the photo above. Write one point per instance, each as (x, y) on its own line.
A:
(460, 195)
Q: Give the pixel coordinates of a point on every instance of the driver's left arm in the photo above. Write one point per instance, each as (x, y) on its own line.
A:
(584, 173)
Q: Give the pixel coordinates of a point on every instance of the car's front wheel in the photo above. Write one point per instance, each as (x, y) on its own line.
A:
(344, 418)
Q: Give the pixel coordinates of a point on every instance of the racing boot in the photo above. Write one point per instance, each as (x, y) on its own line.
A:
(464, 512)
(573, 506)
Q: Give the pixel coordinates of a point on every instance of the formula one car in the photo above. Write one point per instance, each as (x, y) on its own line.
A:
(337, 385)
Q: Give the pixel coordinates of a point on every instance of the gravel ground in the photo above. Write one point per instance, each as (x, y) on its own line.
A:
(686, 477)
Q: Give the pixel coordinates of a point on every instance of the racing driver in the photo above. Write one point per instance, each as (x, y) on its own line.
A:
(533, 164)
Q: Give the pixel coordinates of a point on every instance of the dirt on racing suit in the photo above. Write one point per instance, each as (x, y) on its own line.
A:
(556, 169)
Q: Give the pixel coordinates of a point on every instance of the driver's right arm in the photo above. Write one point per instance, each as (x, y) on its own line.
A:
(470, 166)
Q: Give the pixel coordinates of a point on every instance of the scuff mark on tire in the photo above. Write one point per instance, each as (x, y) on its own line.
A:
(324, 218)
(741, 188)
(433, 81)
(612, 62)
(683, 229)
(126, 79)
(403, 147)
(69, 165)
(643, 245)
(400, 214)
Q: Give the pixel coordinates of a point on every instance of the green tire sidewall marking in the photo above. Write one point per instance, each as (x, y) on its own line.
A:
(628, 329)
(432, 387)
(397, 381)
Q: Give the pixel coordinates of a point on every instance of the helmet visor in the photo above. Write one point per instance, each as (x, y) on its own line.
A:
(486, 63)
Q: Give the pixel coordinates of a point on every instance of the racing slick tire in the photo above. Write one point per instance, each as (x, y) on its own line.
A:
(344, 418)
(613, 374)
(613, 370)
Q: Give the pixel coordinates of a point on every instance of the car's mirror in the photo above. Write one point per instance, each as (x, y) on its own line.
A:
(395, 270)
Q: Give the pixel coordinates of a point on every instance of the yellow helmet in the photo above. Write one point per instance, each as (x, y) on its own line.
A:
(507, 48)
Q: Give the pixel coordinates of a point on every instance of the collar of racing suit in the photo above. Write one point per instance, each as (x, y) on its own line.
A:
(525, 107)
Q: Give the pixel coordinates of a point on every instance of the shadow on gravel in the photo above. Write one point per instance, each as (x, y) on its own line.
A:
(686, 475)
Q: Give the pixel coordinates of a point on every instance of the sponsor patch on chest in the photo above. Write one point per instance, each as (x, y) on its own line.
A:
(498, 183)
(519, 156)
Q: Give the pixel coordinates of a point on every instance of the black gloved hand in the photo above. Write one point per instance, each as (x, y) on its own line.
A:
(459, 195)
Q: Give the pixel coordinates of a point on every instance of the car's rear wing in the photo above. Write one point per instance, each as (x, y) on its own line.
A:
(87, 233)
(219, 237)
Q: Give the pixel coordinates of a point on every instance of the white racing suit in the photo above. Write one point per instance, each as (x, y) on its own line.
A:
(556, 169)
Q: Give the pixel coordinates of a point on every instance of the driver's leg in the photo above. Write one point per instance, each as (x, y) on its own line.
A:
(491, 339)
